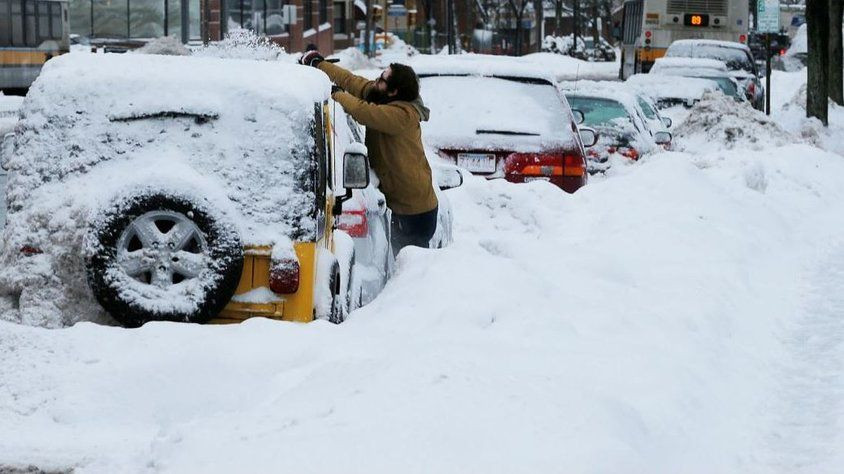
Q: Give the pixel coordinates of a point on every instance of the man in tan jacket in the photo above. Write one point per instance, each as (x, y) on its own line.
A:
(391, 110)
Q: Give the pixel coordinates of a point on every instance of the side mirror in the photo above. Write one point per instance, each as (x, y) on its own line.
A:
(666, 121)
(355, 171)
(448, 178)
(578, 116)
(662, 138)
(589, 137)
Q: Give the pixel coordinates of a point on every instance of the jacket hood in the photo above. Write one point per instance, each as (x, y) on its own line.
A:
(424, 112)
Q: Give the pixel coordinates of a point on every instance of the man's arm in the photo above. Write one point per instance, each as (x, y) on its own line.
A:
(355, 85)
(388, 119)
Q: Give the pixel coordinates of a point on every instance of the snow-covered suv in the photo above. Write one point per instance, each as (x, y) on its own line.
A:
(174, 188)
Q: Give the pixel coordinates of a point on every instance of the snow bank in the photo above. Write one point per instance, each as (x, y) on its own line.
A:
(631, 327)
(789, 109)
(719, 122)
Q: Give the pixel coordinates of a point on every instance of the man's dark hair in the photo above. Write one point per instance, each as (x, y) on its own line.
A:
(403, 79)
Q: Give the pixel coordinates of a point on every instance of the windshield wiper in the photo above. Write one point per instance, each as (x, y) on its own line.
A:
(505, 132)
(199, 118)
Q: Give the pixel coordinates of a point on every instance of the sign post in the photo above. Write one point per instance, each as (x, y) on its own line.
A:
(768, 22)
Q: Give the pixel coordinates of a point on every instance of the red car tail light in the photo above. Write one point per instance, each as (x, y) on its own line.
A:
(284, 276)
(742, 38)
(545, 164)
(631, 153)
(29, 250)
(751, 90)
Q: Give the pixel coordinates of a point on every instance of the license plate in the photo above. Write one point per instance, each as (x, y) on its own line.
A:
(477, 162)
(528, 179)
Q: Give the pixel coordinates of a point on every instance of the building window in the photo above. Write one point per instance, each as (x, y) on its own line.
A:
(5, 23)
(274, 21)
(340, 17)
(126, 18)
(309, 14)
(323, 11)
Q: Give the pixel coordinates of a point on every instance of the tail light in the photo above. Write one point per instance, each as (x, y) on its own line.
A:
(751, 90)
(545, 164)
(782, 52)
(353, 222)
(29, 250)
(742, 38)
(624, 151)
(284, 276)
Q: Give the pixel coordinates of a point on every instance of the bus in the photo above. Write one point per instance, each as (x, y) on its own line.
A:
(31, 32)
(648, 27)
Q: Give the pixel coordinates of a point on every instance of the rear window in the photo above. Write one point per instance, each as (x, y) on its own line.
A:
(598, 111)
(491, 108)
(736, 59)
(649, 111)
(725, 85)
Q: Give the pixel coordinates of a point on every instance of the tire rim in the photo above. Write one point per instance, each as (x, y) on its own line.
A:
(162, 249)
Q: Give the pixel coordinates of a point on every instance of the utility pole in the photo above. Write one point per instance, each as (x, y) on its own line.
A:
(836, 64)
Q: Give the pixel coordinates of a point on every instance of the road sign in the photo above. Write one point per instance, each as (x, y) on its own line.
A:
(768, 16)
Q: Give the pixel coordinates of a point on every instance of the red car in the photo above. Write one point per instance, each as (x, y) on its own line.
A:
(501, 119)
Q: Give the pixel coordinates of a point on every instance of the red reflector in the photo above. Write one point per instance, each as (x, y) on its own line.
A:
(648, 34)
(353, 222)
(284, 276)
(742, 38)
(29, 250)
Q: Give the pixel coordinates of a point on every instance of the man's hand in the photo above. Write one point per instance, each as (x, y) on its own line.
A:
(311, 58)
(335, 89)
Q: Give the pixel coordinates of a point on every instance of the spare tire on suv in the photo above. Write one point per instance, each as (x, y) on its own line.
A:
(162, 257)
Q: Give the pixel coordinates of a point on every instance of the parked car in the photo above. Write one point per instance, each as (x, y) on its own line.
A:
(655, 120)
(501, 119)
(736, 56)
(132, 195)
(667, 91)
(621, 128)
(710, 69)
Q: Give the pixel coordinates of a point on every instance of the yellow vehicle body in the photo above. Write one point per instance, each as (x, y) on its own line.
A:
(299, 306)
(650, 55)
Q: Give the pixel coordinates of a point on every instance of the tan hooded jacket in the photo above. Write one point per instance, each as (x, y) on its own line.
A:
(394, 140)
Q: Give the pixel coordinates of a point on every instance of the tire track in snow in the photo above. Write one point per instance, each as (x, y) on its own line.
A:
(808, 408)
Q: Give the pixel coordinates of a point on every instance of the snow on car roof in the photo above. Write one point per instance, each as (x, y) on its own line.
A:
(723, 44)
(664, 63)
(478, 65)
(668, 87)
(139, 83)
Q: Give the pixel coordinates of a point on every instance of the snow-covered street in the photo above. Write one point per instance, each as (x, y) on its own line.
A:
(681, 315)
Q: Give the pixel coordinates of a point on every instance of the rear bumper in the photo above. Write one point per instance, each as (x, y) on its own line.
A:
(239, 312)
(568, 184)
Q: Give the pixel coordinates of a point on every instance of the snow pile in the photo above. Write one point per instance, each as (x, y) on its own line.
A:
(792, 116)
(96, 130)
(634, 326)
(719, 122)
(245, 44)
(166, 45)
(353, 59)
(9, 106)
